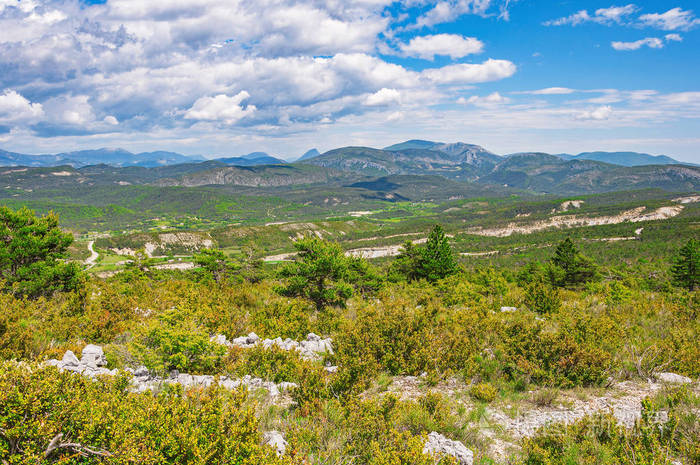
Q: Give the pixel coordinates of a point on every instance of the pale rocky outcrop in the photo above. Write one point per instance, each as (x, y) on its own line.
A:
(93, 363)
(673, 378)
(438, 445)
(310, 349)
(276, 440)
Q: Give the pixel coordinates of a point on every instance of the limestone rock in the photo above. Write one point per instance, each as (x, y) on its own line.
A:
(93, 354)
(673, 378)
(310, 349)
(276, 440)
(439, 445)
(69, 359)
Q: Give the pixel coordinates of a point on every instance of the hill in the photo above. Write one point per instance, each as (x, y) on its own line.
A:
(623, 158)
(456, 161)
(252, 159)
(113, 157)
(546, 173)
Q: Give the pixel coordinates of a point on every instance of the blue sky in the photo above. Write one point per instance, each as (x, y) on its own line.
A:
(227, 77)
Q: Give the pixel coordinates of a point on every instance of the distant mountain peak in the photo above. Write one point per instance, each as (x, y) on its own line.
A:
(309, 154)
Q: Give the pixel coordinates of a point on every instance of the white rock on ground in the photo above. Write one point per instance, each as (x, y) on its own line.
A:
(93, 354)
(310, 349)
(509, 309)
(673, 378)
(93, 361)
(439, 445)
(276, 440)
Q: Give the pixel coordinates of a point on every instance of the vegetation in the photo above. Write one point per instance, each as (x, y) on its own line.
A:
(686, 267)
(322, 273)
(420, 343)
(571, 267)
(432, 262)
(31, 250)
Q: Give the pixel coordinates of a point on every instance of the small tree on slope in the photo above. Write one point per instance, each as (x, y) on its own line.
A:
(31, 253)
(686, 266)
(571, 267)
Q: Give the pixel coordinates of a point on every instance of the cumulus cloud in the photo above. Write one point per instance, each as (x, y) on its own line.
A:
(220, 108)
(129, 65)
(383, 96)
(453, 45)
(597, 114)
(467, 73)
(449, 10)
(673, 19)
(15, 108)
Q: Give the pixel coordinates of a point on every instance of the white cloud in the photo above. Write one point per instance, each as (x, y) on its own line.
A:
(490, 100)
(673, 19)
(452, 45)
(651, 42)
(220, 108)
(109, 119)
(597, 114)
(551, 91)
(383, 96)
(449, 10)
(466, 73)
(612, 15)
(15, 108)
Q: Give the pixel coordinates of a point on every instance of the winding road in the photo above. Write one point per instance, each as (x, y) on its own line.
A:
(90, 261)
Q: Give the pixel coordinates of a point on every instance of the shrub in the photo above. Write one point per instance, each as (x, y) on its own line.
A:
(174, 427)
(542, 298)
(484, 392)
(174, 341)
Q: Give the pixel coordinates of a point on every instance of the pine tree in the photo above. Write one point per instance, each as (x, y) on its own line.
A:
(32, 253)
(323, 274)
(686, 266)
(437, 259)
(571, 266)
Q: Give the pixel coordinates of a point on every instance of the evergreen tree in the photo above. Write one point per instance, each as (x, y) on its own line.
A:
(322, 273)
(571, 267)
(432, 262)
(32, 250)
(437, 259)
(686, 266)
(214, 262)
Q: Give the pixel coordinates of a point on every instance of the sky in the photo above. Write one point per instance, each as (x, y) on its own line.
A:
(228, 77)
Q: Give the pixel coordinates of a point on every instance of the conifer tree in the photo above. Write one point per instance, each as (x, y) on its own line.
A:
(571, 267)
(686, 266)
(437, 259)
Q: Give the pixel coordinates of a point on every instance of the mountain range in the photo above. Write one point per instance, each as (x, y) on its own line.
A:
(420, 151)
(467, 165)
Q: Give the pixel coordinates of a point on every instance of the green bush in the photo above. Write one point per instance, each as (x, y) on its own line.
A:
(484, 392)
(174, 341)
(173, 427)
(542, 298)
